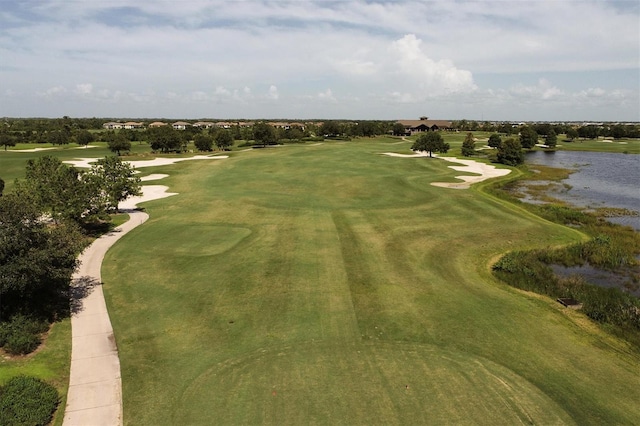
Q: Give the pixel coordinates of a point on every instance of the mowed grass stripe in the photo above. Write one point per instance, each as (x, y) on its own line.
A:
(269, 267)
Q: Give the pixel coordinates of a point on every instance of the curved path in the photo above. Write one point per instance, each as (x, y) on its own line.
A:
(95, 387)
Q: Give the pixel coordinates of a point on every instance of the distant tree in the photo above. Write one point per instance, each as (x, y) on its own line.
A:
(119, 144)
(528, 137)
(264, 134)
(468, 145)
(164, 139)
(224, 139)
(58, 137)
(368, 128)
(510, 153)
(494, 141)
(571, 133)
(84, 137)
(618, 131)
(203, 142)
(588, 132)
(552, 139)
(330, 128)
(111, 181)
(1, 186)
(431, 142)
(7, 139)
(398, 129)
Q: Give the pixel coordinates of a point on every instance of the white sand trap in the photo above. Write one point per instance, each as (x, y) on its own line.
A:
(155, 176)
(607, 140)
(30, 150)
(86, 162)
(483, 171)
(414, 155)
(149, 193)
(85, 147)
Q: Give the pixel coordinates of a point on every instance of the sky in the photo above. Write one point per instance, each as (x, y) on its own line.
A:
(546, 60)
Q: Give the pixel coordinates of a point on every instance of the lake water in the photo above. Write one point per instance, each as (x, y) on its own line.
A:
(602, 180)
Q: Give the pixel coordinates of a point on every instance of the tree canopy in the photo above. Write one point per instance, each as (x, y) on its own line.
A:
(264, 134)
(431, 142)
(468, 145)
(510, 152)
(528, 137)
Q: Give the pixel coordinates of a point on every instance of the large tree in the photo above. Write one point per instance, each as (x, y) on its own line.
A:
(468, 145)
(84, 137)
(264, 134)
(36, 259)
(7, 139)
(164, 139)
(431, 142)
(528, 137)
(510, 152)
(203, 142)
(57, 188)
(224, 139)
(551, 139)
(110, 181)
(494, 141)
(119, 144)
(398, 129)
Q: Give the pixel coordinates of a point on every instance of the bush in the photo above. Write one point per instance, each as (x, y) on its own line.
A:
(27, 401)
(21, 334)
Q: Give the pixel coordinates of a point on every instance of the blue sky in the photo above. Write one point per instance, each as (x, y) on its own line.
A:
(502, 60)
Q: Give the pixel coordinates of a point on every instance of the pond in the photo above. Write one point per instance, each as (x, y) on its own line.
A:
(601, 180)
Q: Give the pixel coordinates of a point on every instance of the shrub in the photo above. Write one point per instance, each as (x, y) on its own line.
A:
(27, 401)
(21, 334)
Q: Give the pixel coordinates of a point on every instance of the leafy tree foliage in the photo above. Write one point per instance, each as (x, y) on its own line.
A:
(27, 401)
(119, 144)
(224, 139)
(431, 142)
(57, 188)
(618, 131)
(398, 129)
(588, 132)
(510, 153)
(264, 134)
(84, 137)
(494, 141)
(572, 133)
(7, 139)
(468, 145)
(552, 139)
(165, 139)
(110, 181)
(203, 142)
(330, 128)
(36, 259)
(58, 137)
(528, 137)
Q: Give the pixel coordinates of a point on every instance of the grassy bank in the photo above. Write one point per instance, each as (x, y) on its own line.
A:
(328, 283)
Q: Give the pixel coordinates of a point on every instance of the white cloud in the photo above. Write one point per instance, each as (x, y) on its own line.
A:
(327, 95)
(84, 89)
(273, 93)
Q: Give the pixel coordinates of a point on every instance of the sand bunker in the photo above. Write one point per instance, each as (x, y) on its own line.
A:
(86, 162)
(483, 171)
(30, 150)
(155, 176)
(149, 193)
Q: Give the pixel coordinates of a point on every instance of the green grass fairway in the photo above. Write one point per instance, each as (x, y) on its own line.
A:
(328, 284)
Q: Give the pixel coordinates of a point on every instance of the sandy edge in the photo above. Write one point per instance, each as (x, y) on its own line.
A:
(483, 171)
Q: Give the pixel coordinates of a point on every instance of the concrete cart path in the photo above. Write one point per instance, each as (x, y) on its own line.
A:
(95, 386)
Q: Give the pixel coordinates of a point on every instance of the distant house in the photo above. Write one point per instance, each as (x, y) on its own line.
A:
(112, 125)
(157, 124)
(204, 124)
(181, 125)
(132, 125)
(425, 125)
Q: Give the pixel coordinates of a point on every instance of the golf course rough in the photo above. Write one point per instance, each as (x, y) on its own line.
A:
(331, 284)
